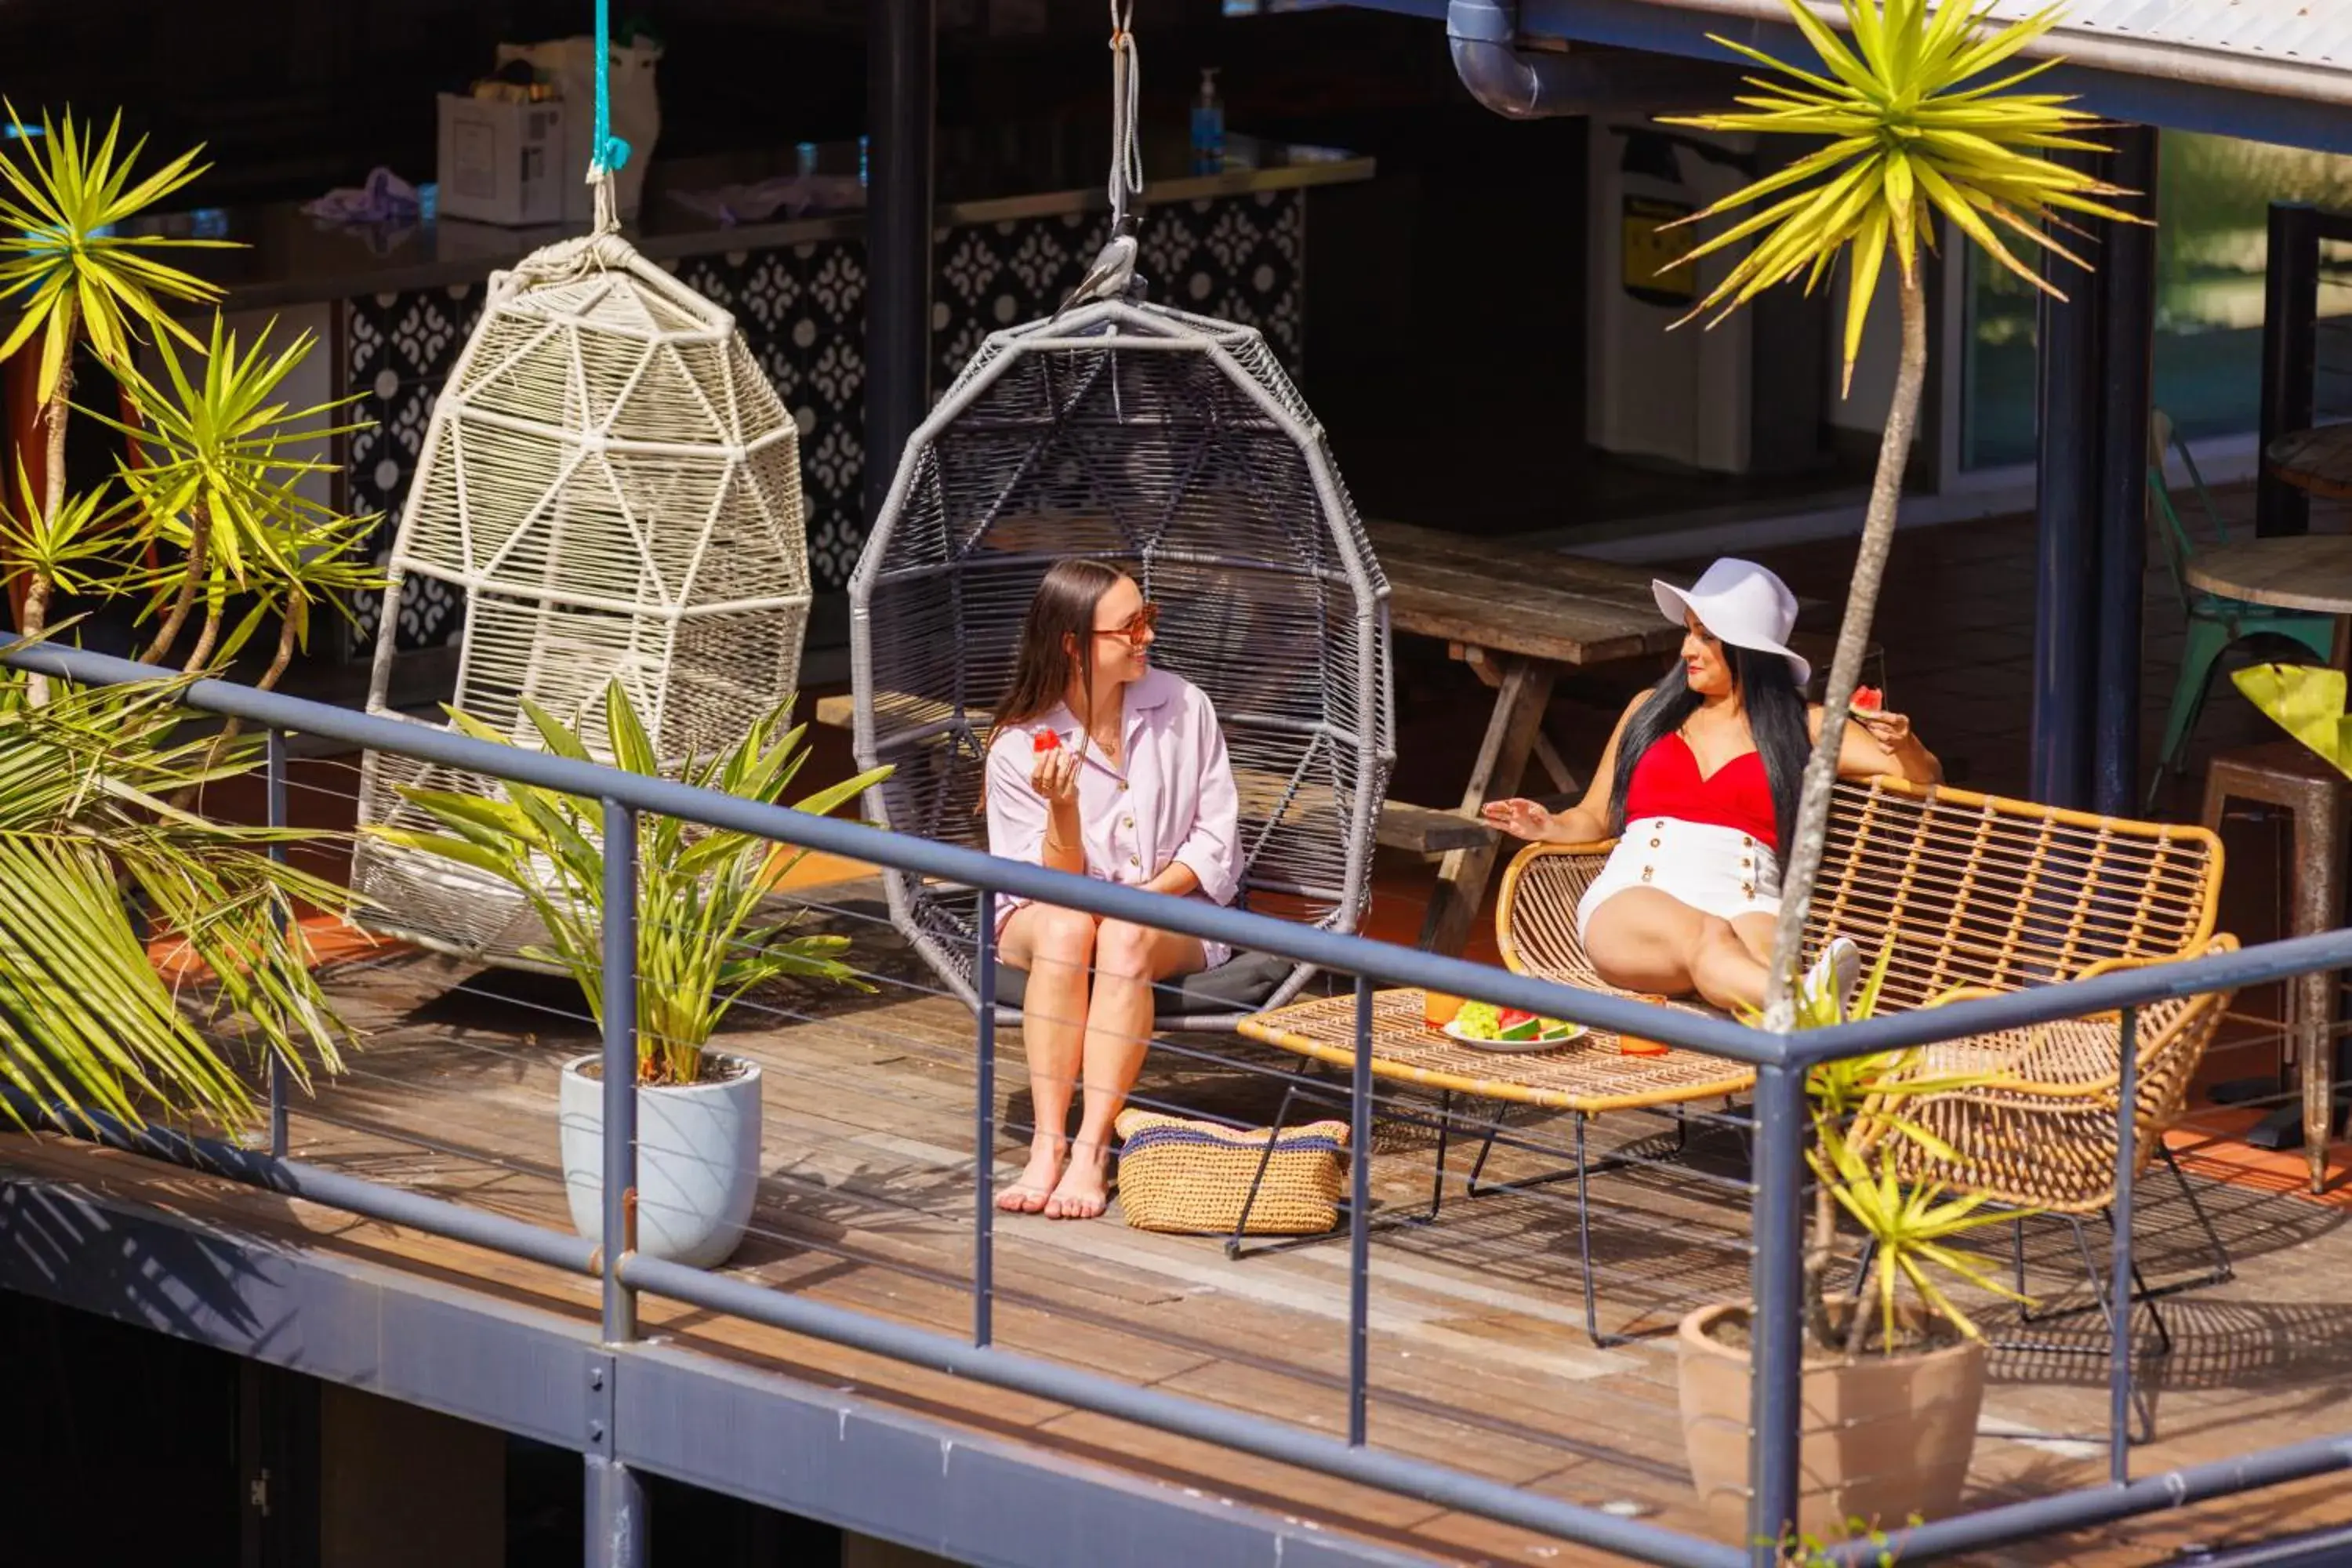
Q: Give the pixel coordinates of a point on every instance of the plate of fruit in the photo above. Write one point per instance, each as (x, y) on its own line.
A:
(1486, 1027)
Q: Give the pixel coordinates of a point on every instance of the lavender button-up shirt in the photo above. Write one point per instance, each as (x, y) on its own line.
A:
(1174, 801)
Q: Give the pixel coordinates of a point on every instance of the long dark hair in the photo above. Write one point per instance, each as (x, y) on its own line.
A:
(1045, 666)
(1776, 721)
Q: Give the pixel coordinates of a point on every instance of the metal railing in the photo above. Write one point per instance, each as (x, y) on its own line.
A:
(1779, 1187)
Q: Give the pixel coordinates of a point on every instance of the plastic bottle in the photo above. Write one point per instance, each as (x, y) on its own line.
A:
(1208, 127)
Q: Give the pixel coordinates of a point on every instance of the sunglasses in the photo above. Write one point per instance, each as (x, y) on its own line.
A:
(1144, 622)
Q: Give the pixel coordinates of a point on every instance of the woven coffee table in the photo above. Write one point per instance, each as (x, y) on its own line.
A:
(1586, 1076)
(1582, 1077)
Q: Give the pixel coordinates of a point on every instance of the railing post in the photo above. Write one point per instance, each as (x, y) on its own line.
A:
(1359, 1225)
(1777, 1340)
(620, 1065)
(274, 774)
(616, 1515)
(615, 1497)
(983, 1250)
(2119, 1287)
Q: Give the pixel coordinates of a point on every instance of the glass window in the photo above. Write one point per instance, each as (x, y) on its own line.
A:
(2213, 209)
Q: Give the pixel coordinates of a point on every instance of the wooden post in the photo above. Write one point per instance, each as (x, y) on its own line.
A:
(1503, 755)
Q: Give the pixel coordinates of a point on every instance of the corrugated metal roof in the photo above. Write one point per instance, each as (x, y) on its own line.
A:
(2289, 48)
(2309, 32)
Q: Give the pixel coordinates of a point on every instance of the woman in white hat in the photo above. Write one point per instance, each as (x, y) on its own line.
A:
(1699, 785)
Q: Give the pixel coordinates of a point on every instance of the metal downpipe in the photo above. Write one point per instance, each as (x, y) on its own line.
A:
(1539, 84)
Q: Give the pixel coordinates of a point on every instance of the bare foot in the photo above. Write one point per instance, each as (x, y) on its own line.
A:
(1033, 1189)
(1084, 1190)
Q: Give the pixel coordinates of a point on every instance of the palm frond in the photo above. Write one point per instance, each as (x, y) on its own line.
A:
(1914, 135)
(87, 1022)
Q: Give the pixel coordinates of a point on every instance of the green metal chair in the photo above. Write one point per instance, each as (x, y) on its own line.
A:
(2216, 624)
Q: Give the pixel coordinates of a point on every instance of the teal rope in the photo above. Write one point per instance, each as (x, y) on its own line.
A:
(610, 152)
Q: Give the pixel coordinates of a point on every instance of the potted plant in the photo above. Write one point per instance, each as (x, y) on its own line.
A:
(1893, 1378)
(706, 936)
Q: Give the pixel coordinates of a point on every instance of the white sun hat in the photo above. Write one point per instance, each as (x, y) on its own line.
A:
(1742, 604)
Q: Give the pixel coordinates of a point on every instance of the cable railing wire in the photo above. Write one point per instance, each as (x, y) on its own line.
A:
(1776, 1199)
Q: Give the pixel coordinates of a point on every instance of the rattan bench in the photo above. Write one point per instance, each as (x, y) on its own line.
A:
(1977, 894)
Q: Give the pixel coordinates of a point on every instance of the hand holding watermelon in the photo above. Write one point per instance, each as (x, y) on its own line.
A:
(1868, 707)
(1055, 773)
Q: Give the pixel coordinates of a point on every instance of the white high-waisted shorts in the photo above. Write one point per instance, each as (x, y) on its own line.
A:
(1718, 870)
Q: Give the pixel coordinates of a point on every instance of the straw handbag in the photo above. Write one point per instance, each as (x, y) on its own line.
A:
(1176, 1174)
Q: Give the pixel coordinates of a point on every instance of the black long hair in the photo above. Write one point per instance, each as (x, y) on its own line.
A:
(1776, 721)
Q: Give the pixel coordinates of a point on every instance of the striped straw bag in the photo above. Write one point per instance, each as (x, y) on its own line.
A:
(1180, 1175)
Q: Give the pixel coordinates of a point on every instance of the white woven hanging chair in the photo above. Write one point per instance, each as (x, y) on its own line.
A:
(615, 484)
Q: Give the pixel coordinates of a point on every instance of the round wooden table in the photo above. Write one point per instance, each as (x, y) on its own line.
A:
(2318, 462)
(2305, 572)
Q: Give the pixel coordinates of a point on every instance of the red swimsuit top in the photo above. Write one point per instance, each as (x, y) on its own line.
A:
(1667, 783)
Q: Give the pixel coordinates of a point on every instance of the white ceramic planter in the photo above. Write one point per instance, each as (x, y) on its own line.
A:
(697, 1161)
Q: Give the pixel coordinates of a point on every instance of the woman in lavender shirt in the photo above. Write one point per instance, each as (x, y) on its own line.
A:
(1133, 787)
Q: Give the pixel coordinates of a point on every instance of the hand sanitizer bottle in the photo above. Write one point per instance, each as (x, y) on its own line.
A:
(1208, 127)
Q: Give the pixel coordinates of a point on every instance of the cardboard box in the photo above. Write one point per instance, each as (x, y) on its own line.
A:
(501, 163)
(570, 65)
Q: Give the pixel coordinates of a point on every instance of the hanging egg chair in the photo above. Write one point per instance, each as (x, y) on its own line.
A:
(1175, 447)
(614, 485)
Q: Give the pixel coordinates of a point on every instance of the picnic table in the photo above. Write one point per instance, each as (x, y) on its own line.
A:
(1517, 615)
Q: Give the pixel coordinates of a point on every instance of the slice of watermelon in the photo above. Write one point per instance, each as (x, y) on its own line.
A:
(1045, 741)
(1868, 699)
(1514, 1025)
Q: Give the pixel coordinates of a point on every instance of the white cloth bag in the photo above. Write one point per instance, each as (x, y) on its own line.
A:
(570, 64)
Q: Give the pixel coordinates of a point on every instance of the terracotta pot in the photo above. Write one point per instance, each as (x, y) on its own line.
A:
(1881, 1438)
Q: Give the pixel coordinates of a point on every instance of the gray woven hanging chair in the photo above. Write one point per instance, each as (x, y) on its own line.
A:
(1173, 446)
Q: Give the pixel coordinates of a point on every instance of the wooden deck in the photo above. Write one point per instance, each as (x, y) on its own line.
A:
(1479, 1354)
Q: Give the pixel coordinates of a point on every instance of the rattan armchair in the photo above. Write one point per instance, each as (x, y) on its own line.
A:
(1972, 894)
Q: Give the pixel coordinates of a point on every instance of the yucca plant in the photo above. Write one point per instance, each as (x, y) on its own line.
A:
(88, 1024)
(1860, 1123)
(74, 548)
(73, 274)
(705, 933)
(212, 485)
(1917, 125)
